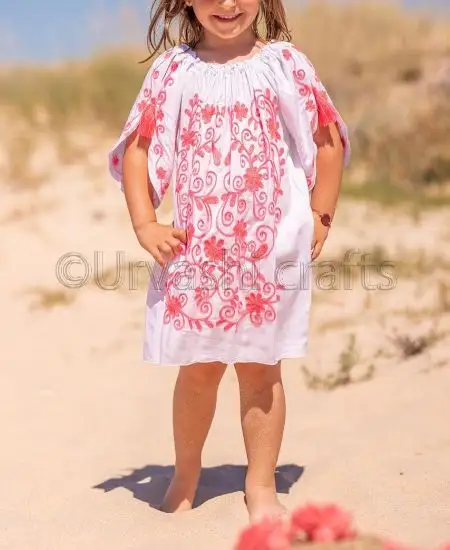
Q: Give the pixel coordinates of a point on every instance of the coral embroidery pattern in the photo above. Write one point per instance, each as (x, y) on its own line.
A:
(149, 110)
(317, 100)
(230, 167)
(317, 103)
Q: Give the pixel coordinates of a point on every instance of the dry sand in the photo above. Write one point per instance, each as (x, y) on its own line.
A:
(86, 426)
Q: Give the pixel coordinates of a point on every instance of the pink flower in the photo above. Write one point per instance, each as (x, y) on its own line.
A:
(188, 138)
(161, 173)
(287, 55)
(240, 230)
(142, 105)
(310, 106)
(321, 524)
(214, 249)
(255, 303)
(273, 129)
(241, 111)
(173, 306)
(269, 534)
(253, 179)
(207, 113)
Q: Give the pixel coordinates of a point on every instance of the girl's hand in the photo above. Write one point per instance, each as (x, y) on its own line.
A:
(163, 242)
(320, 236)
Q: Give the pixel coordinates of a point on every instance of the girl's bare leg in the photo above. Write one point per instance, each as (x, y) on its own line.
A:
(194, 405)
(263, 412)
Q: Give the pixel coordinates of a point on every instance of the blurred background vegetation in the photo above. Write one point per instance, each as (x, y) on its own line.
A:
(387, 69)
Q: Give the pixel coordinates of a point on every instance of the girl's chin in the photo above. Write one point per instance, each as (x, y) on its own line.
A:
(227, 33)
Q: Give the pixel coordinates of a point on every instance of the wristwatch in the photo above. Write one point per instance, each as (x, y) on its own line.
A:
(325, 218)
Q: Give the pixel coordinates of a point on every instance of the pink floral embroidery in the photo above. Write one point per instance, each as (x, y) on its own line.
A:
(240, 230)
(201, 296)
(173, 306)
(148, 112)
(261, 252)
(147, 124)
(214, 249)
(326, 112)
(253, 179)
(310, 106)
(255, 303)
(188, 138)
(317, 102)
(161, 173)
(228, 233)
(274, 126)
(208, 113)
(241, 111)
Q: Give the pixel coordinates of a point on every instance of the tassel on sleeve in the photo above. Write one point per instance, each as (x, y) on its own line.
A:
(326, 111)
(147, 124)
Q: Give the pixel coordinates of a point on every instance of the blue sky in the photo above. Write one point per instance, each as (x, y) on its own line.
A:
(50, 30)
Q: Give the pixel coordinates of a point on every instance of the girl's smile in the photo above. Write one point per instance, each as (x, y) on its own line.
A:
(226, 18)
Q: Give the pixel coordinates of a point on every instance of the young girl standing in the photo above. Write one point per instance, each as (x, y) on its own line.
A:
(240, 125)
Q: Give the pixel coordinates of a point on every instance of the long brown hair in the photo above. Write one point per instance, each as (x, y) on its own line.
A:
(271, 17)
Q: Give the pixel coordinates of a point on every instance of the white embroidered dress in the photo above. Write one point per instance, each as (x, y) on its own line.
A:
(236, 143)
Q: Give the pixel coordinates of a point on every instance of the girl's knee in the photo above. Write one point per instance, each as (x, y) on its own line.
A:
(203, 375)
(257, 375)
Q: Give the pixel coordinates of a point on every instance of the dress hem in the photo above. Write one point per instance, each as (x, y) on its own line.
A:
(300, 354)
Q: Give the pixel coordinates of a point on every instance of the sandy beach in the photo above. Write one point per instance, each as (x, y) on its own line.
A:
(87, 445)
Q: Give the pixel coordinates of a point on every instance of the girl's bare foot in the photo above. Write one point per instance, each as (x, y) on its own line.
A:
(180, 494)
(194, 404)
(263, 502)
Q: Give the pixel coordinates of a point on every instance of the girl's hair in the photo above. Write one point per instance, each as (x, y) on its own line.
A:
(271, 14)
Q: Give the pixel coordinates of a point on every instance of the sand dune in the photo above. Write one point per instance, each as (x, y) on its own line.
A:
(87, 449)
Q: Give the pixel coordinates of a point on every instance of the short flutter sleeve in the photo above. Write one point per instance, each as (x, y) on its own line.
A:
(307, 106)
(154, 115)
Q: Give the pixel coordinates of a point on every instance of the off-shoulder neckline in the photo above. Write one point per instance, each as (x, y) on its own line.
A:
(232, 65)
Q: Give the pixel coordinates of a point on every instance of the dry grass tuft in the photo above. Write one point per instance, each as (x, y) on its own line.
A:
(410, 346)
(48, 299)
(349, 360)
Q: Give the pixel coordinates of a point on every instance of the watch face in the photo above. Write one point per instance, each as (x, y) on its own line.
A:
(326, 220)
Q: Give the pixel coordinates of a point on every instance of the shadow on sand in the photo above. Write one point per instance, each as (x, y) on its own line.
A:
(149, 484)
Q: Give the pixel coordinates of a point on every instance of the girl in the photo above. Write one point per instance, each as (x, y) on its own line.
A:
(238, 121)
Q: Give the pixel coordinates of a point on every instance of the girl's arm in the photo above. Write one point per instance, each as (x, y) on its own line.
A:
(329, 169)
(161, 241)
(324, 196)
(135, 182)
